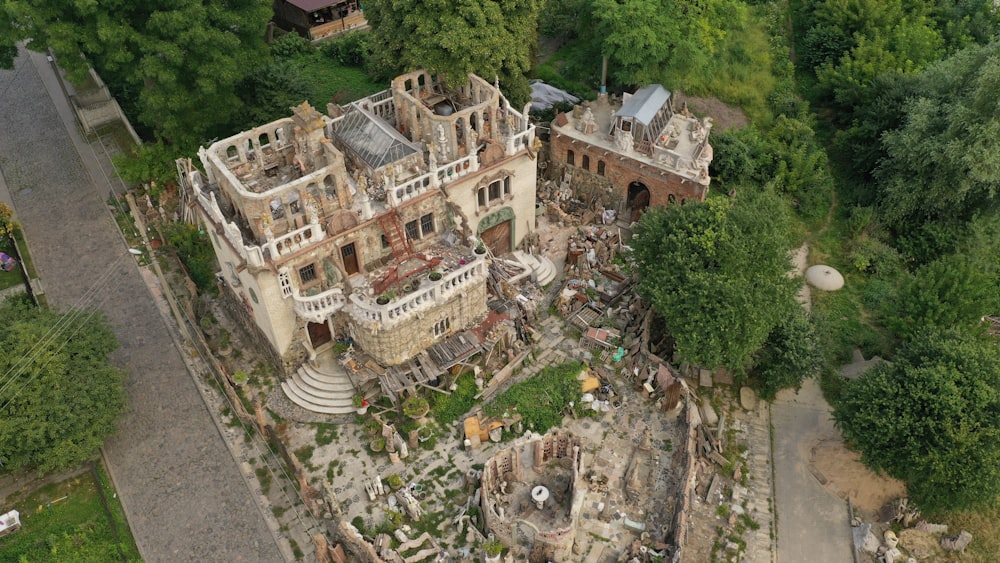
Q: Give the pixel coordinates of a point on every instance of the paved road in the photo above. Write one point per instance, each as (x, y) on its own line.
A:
(812, 523)
(181, 488)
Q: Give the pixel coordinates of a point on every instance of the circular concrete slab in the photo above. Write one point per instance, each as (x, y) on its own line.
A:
(824, 277)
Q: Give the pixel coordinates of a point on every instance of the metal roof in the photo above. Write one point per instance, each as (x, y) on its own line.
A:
(371, 138)
(313, 5)
(644, 104)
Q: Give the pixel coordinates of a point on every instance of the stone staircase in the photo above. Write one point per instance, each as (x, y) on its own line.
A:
(543, 271)
(322, 389)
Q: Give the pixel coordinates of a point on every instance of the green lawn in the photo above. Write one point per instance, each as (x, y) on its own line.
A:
(66, 521)
(332, 82)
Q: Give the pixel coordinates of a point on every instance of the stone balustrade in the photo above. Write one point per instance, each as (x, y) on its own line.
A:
(295, 240)
(458, 168)
(317, 308)
(366, 310)
(411, 189)
(516, 142)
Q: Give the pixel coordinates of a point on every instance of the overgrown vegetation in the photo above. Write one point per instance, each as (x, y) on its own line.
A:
(542, 400)
(196, 253)
(66, 521)
(446, 409)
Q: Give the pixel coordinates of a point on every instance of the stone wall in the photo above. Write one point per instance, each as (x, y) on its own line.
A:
(403, 341)
(556, 543)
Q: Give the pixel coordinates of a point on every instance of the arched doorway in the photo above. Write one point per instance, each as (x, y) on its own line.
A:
(497, 231)
(638, 200)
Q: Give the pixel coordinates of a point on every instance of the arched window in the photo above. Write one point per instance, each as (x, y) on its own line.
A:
(232, 153)
(671, 199)
(330, 187)
(586, 162)
(600, 168)
(263, 140)
(570, 158)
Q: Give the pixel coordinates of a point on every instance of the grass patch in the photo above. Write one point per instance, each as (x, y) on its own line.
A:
(66, 521)
(446, 409)
(982, 523)
(326, 434)
(332, 82)
(543, 399)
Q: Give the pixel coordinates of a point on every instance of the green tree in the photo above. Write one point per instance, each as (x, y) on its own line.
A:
(184, 58)
(952, 291)
(931, 417)
(452, 38)
(790, 354)
(717, 273)
(943, 163)
(60, 397)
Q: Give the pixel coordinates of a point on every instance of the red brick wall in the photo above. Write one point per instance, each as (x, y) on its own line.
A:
(620, 171)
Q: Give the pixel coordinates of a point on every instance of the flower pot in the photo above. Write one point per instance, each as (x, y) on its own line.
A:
(435, 276)
(382, 300)
(363, 410)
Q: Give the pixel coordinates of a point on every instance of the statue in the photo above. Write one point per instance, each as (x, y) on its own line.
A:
(442, 142)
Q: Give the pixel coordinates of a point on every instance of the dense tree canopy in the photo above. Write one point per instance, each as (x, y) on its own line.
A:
(184, 58)
(639, 37)
(59, 396)
(943, 163)
(931, 418)
(717, 272)
(491, 38)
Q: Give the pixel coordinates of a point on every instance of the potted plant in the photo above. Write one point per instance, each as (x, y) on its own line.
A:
(361, 404)
(394, 481)
(493, 548)
(241, 377)
(377, 444)
(434, 275)
(415, 406)
(386, 297)
(480, 248)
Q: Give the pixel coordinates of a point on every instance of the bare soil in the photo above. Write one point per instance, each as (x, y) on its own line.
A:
(841, 472)
(723, 116)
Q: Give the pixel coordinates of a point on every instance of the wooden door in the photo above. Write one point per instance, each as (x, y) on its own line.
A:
(319, 334)
(497, 238)
(350, 257)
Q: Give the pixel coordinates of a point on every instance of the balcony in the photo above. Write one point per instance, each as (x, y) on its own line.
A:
(366, 310)
(317, 308)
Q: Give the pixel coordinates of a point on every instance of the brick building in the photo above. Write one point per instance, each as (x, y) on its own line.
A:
(642, 152)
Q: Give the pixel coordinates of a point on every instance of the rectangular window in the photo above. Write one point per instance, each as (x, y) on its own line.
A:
(427, 224)
(482, 197)
(412, 232)
(385, 241)
(506, 186)
(308, 273)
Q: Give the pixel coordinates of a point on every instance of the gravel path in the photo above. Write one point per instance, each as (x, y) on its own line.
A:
(181, 489)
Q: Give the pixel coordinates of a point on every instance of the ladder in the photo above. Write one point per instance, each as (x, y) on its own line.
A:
(394, 235)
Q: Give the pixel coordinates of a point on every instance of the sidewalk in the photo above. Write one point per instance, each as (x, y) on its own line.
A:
(182, 490)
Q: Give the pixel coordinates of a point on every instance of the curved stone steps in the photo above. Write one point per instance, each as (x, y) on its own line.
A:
(326, 390)
(543, 270)
(310, 403)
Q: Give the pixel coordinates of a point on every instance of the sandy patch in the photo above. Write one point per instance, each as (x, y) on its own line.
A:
(842, 473)
(723, 116)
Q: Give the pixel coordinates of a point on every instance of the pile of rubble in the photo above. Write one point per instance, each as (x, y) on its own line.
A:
(917, 541)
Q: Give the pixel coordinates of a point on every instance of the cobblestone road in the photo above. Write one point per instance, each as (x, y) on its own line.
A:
(181, 488)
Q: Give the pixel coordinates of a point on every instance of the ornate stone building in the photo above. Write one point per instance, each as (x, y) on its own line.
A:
(363, 223)
(643, 152)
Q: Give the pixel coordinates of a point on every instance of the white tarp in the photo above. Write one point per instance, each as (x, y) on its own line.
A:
(544, 96)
